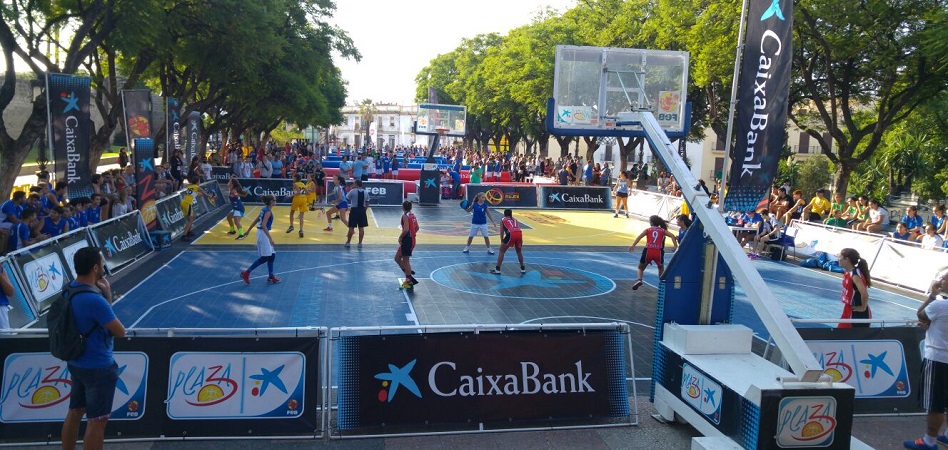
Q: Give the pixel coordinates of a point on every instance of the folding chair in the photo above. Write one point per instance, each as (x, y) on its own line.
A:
(787, 239)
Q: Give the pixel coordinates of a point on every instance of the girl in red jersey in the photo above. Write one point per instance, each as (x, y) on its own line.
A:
(510, 236)
(406, 243)
(856, 282)
(654, 247)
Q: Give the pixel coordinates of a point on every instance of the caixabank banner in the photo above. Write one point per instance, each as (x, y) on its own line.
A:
(281, 188)
(420, 380)
(576, 197)
(122, 240)
(171, 216)
(379, 193)
(504, 195)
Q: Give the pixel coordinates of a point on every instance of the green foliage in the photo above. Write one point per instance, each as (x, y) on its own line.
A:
(282, 135)
(814, 173)
(788, 169)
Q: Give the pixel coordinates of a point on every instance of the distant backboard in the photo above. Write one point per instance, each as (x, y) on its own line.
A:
(432, 117)
(594, 86)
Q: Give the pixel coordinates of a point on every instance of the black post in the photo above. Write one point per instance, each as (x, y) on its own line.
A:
(429, 190)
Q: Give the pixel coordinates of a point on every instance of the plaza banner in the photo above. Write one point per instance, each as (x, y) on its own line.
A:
(171, 216)
(145, 181)
(458, 378)
(137, 106)
(173, 127)
(70, 130)
(576, 197)
(173, 387)
(504, 195)
(762, 107)
(122, 240)
(882, 364)
(192, 141)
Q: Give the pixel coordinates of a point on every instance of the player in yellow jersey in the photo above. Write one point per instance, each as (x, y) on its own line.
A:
(188, 204)
(311, 196)
(300, 194)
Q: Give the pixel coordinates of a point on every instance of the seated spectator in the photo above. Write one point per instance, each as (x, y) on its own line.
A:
(55, 224)
(938, 219)
(752, 219)
(69, 215)
(901, 233)
(94, 211)
(913, 222)
(795, 212)
(11, 210)
(878, 219)
(770, 232)
(20, 234)
(117, 206)
(851, 213)
(931, 240)
(862, 215)
(838, 203)
(837, 220)
(818, 208)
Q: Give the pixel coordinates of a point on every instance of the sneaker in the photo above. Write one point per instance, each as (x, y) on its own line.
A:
(312, 208)
(626, 215)
(360, 245)
(412, 280)
(523, 269)
(327, 229)
(490, 251)
(272, 280)
(465, 250)
(232, 232)
(495, 271)
(638, 284)
(406, 285)
(942, 438)
(241, 237)
(919, 444)
(615, 216)
(290, 229)
(412, 272)
(245, 275)
(347, 245)
(301, 233)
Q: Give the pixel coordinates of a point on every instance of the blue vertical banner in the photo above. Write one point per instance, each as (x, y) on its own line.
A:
(145, 181)
(173, 127)
(137, 106)
(762, 105)
(192, 140)
(70, 130)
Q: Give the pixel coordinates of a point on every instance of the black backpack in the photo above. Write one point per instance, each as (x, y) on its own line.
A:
(66, 342)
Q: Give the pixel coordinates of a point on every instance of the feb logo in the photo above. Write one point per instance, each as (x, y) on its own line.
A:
(806, 422)
(669, 101)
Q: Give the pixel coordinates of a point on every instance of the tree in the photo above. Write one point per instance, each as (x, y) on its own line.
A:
(859, 69)
(814, 174)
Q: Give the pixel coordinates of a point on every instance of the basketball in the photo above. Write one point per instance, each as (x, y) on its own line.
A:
(465, 204)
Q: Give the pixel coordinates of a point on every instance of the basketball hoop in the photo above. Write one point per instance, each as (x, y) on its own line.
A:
(442, 130)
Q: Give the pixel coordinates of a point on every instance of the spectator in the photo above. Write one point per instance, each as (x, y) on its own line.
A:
(818, 208)
(938, 219)
(345, 167)
(837, 220)
(605, 178)
(770, 232)
(358, 167)
(177, 167)
(931, 240)
(20, 234)
(54, 224)
(933, 398)
(279, 166)
(752, 219)
(901, 232)
(11, 210)
(6, 293)
(878, 219)
(795, 211)
(123, 158)
(863, 211)
(913, 222)
(265, 167)
(455, 183)
(851, 214)
(206, 170)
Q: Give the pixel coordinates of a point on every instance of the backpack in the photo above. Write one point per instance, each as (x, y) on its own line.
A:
(66, 342)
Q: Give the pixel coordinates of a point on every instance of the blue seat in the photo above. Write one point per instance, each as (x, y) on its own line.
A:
(787, 239)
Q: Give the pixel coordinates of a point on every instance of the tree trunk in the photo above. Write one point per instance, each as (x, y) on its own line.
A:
(844, 172)
(592, 144)
(14, 152)
(564, 142)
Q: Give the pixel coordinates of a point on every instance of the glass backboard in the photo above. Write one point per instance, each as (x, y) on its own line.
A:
(433, 117)
(593, 86)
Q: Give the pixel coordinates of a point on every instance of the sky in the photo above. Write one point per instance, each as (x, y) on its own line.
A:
(399, 38)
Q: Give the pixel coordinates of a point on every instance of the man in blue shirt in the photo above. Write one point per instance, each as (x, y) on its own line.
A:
(11, 210)
(358, 168)
(20, 233)
(455, 182)
(345, 167)
(6, 293)
(94, 372)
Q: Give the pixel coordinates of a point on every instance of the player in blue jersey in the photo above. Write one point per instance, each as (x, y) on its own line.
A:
(265, 250)
(481, 212)
(235, 192)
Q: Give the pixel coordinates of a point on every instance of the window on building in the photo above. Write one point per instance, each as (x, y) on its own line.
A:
(804, 143)
(719, 143)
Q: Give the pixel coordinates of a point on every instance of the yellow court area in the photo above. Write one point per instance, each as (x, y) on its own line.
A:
(441, 226)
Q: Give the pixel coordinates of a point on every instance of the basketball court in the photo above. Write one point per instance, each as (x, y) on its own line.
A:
(578, 270)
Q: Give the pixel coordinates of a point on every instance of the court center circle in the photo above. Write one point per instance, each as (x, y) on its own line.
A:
(541, 282)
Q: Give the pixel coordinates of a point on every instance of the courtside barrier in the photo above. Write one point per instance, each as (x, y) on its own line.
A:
(23, 311)
(501, 195)
(646, 203)
(170, 216)
(123, 240)
(176, 384)
(476, 378)
(900, 263)
(576, 197)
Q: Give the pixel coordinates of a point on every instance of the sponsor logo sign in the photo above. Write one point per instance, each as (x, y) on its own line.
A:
(145, 180)
(806, 422)
(170, 216)
(701, 392)
(449, 378)
(503, 196)
(45, 276)
(37, 387)
(281, 188)
(122, 240)
(379, 193)
(70, 130)
(669, 103)
(174, 125)
(875, 368)
(576, 115)
(266, 385)
(575, 197)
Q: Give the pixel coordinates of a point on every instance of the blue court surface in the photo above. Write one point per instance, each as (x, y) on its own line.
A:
(331, 286)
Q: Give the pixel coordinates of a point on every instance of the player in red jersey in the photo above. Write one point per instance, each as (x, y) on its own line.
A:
(654, 247)
(510, 236)
(406, 243)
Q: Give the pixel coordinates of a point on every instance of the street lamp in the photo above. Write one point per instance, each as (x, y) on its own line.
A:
(42, 158)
